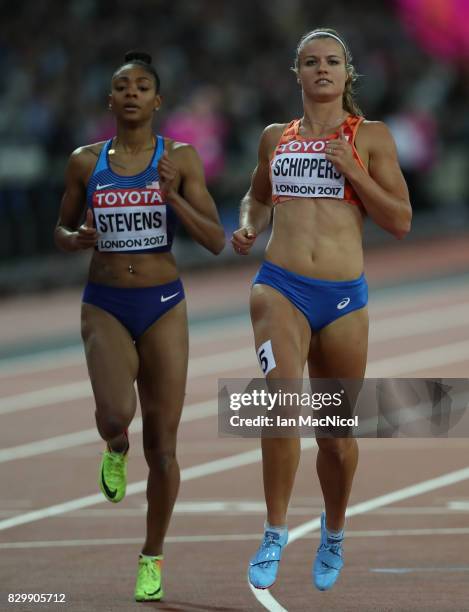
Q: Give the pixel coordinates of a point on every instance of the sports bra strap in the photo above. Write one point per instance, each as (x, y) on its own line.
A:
(102, 164)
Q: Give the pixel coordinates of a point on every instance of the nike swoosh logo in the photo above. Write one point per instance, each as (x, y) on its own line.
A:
(165, 299)
(154, 592)
(98, 186)
(108, 491)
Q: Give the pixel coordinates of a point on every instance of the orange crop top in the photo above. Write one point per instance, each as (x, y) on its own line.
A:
(299, 168)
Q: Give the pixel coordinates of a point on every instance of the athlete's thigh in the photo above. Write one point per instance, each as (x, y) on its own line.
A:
(111, 358)
(340, 349)
(163, 351)
(277, 321)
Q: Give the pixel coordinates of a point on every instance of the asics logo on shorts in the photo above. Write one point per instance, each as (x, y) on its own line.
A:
(345, 302)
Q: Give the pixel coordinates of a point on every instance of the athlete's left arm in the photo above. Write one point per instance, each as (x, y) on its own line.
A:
(192, 202)
(383, 191)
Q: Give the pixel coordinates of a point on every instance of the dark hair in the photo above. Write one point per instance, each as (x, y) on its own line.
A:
(348, 100)
(143, 59)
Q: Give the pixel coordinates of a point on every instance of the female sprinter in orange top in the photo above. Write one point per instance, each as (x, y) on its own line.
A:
(134, 326)
(321, 175)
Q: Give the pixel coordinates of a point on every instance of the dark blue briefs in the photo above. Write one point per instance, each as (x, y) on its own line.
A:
(136, 308)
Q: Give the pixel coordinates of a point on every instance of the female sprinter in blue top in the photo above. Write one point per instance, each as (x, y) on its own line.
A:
(134, 325)
(321, 175)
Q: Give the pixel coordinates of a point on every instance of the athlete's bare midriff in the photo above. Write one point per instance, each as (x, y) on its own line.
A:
(320, 238)
(132, 269)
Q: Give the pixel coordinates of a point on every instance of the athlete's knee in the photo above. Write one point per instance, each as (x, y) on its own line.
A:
(111, 425)
(160, 459)
(337, 449)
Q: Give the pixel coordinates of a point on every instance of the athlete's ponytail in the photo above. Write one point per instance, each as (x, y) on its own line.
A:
(143, 59)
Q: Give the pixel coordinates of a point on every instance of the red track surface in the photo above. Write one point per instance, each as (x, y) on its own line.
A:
(51, 555)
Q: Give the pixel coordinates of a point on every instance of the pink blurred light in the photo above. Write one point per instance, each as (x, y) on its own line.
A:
(440, 26)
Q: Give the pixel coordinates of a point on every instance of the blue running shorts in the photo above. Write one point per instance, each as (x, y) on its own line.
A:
(136, 308)
(321, 301)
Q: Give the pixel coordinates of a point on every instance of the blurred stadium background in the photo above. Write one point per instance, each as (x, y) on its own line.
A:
(225, 75)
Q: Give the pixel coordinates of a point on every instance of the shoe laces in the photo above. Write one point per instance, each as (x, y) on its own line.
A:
(115, 465)
(269, 539)
(334, 546)
(150, 568)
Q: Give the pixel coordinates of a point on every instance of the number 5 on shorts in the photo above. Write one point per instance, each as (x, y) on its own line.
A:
(266, 357)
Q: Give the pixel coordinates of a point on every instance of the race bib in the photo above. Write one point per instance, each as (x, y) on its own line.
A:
(130, 220)
(300, 169)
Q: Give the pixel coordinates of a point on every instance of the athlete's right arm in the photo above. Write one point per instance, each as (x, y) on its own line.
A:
(256, 206)
(68, 236)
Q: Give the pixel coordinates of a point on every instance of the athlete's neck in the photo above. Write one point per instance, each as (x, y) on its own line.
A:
(133, 139)
(321, 119)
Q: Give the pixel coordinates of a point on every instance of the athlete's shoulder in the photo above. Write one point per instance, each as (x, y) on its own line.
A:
(375, 135)
(85, 156)
(173, 146)
(270, 137)
(181, 151)
(375, 129)
(90, 150)
(274, 130)
(184, 156)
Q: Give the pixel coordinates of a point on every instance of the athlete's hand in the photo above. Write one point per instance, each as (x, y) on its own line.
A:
(339, 152)
(168, 173)
(86, 236)
(243, 239)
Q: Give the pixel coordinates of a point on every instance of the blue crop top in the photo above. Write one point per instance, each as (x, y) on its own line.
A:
(130, 213)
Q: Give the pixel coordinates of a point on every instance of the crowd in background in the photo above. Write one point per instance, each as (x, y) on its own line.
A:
(225, 73)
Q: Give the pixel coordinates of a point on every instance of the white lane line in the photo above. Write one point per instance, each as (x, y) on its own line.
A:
(269, 602)
(227, 361)
(417, 323)
(393, 533)
(74, 355)
(409, 570)
(190, 508)
(264, 597)
(446, 354)
(120, 541)
(227, 537)
(391, 327)
(191, 412)
(458, 505)
(197, 471)
(198, 366)
(45, 397)
(229, 508)
(43, 361)
(243, 459)
(214, 364)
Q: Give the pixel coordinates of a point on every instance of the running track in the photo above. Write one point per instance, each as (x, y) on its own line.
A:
(407, 544)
